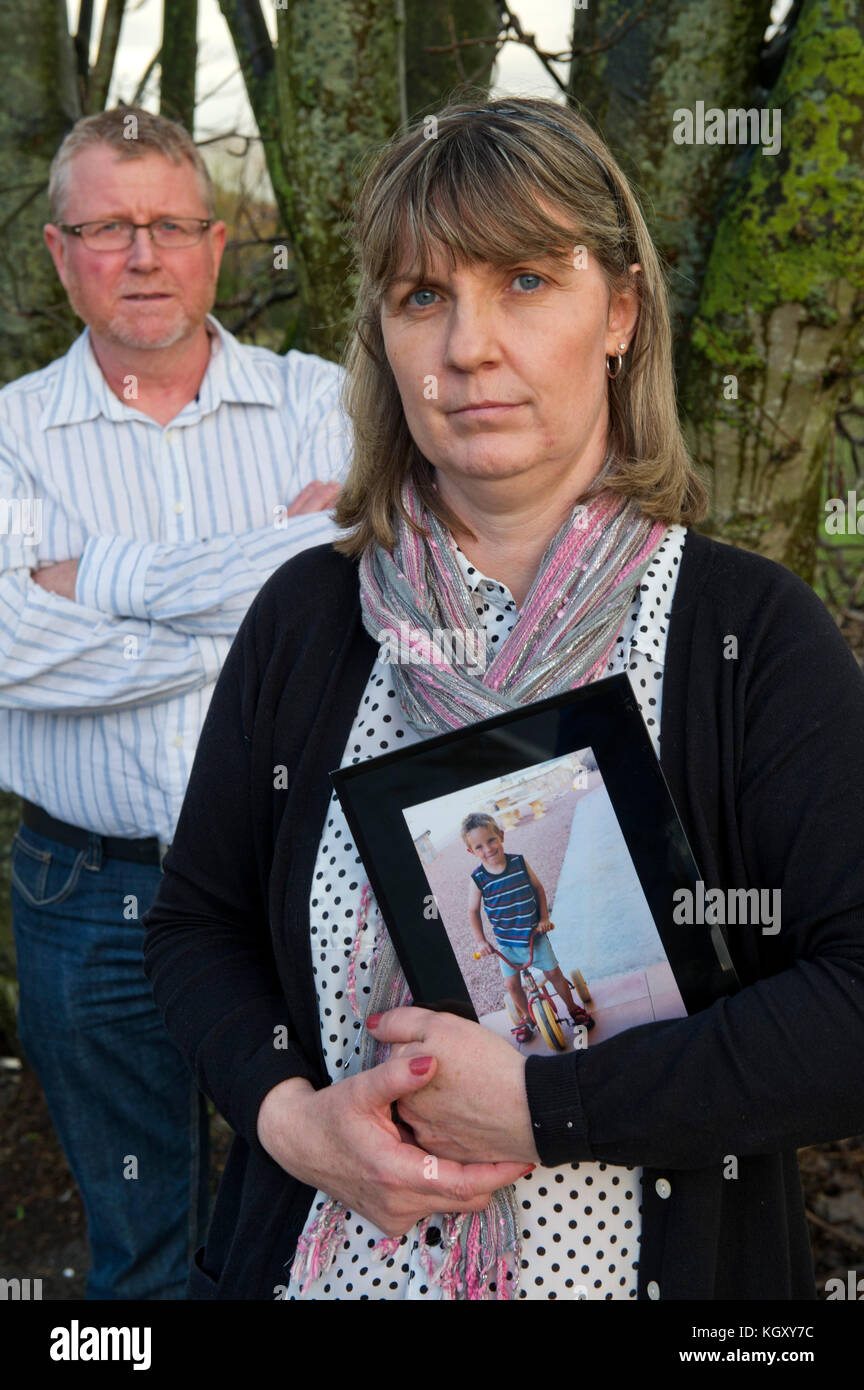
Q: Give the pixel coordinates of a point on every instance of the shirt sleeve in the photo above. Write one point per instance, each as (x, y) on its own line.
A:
(196, 587)
(206, 586)
(56, 654)
(207, 951)
(777, 1066)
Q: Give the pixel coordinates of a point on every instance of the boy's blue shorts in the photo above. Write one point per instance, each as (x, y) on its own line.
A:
(544, 956)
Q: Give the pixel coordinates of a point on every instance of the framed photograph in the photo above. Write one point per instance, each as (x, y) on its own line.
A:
(527, 869)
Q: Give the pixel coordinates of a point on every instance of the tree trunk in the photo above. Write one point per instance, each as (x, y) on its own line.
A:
(681, 52)
(779, 319)
(100, 77)
(41, 101)
(338, 96)
(432, 78)
(178, 60)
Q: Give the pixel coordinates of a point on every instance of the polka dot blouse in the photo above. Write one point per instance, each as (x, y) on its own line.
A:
(581, 1223)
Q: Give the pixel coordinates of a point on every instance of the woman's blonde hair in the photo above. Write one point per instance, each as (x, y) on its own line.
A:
(474, 180)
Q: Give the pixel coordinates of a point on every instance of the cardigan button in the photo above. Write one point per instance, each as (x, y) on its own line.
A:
(663, 1188)
(653, 1290)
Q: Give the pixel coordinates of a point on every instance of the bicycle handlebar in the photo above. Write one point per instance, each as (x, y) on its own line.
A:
(478, 955)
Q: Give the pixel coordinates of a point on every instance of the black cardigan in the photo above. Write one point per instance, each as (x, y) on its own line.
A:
(763, 752)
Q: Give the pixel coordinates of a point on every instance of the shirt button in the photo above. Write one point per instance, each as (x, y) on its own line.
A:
(170, 436)
(663, 1188)
(179, 508)
(178, 741)
(653, 1290)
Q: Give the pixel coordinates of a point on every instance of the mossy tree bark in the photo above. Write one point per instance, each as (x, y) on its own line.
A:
(335, 88)
(780, 312)
(41, 100)
(632, 68)
(339, 95)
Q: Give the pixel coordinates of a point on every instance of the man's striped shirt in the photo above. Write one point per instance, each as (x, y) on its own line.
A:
(102, 699)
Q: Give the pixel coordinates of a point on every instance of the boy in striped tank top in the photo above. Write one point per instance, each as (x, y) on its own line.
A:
(515, 903)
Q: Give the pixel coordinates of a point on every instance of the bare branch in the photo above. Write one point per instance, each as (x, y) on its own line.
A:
(100, 78)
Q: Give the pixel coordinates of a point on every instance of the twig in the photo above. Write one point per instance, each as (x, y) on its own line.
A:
(613, 38)
(145, 78)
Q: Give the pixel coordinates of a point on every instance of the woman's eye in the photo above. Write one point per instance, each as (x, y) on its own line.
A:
(528, 275)
(416, 302)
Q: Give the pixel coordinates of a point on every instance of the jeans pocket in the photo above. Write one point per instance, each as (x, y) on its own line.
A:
(38, 877)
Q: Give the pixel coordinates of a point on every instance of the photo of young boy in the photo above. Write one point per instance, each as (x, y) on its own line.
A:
(514, 901)
(546, 847)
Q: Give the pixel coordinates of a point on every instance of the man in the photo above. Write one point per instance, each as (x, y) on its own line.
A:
(150, 481)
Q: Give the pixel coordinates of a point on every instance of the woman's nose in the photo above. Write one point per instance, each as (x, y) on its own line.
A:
(472, 339)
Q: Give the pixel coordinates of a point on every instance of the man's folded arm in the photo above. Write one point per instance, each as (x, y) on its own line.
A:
(56, 655)
(196, 587)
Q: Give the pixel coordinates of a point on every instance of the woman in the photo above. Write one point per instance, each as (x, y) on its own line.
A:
(519, 469)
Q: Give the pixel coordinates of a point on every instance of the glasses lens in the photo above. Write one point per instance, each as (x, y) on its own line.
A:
(107, 236)
(177, 231)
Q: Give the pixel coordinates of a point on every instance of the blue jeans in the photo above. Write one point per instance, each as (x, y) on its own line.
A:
(128, 1113)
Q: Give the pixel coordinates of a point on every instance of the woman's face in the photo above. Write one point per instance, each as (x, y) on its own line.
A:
(503, 372)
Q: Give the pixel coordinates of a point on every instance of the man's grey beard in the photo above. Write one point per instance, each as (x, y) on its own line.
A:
(131, 340)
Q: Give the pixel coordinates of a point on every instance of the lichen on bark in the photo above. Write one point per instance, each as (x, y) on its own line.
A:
(780, 303)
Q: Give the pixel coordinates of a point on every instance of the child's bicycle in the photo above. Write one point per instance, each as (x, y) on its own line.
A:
(542, 1011)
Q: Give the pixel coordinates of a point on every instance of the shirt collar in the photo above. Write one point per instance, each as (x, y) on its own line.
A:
(494, 593)
(80, 391)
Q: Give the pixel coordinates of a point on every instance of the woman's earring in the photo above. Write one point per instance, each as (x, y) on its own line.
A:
(622, 347)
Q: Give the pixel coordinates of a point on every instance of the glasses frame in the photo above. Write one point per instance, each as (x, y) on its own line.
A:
(78, 230)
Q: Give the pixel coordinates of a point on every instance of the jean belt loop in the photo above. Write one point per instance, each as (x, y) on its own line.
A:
(93, 860)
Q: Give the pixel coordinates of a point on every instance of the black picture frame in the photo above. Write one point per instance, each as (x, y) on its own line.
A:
(603, 717)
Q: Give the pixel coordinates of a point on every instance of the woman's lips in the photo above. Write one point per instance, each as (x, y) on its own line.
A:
(487, 410)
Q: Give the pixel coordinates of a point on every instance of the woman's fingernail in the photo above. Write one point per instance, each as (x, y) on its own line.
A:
(419, 1065)
(373, 1020)
(529, 1169)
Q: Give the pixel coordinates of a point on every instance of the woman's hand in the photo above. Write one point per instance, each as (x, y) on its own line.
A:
(343, 1141)
(474, 1106)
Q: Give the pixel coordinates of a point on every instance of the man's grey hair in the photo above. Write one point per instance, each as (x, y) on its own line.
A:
(133, 133)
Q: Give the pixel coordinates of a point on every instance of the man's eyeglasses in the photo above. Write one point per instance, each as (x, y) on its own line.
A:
(168, 232)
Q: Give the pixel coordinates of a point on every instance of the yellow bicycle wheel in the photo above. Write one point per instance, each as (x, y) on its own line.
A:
(580, 986)
(550, 1029)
